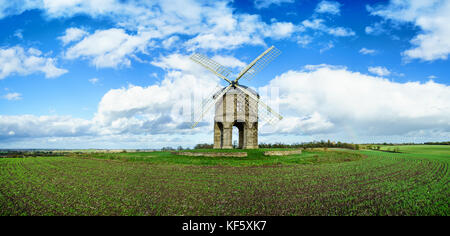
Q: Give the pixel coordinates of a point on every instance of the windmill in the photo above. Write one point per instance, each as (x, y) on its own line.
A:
(236, 104)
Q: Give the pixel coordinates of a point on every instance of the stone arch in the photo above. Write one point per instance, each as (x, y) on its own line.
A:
(230, 113)
(248, 134)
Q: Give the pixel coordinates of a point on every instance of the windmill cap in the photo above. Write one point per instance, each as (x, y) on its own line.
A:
(236, 91)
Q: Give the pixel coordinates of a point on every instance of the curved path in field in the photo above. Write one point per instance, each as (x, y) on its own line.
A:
(380, 184)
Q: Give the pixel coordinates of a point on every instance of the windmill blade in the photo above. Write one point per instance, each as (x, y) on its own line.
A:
(263, 114)
(208, 103)
(264, 111)
(212, 65)
(258, 64)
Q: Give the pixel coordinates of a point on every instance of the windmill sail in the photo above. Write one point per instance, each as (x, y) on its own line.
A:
(259, 63)
(264, 111)
(207, 104)
(247, 99)
(212, 65)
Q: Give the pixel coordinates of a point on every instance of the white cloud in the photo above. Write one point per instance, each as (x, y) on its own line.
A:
(109, 48)
(22, 126)
(160, 108)
(17, 60)
(168, 43)
(320, 100)
(13, 96)
(18, 34)
(210, 25)
(177, 62)
(318, 24)
(229, 61)
(94, 80)
(69, 8)
(8, 8)
(259, 4)
(229, 31)
(379, 70)
(327, 47)
(330, 7)
(431, 16)
(366, 51)
(307, 124)
(335, 101)
(72, 34)
(304, 40)
(341, 32)
(202, 25)
(314, 24)
(279, 30)
(376, 28)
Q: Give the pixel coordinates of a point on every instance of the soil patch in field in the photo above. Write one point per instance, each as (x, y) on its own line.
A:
(211, 154)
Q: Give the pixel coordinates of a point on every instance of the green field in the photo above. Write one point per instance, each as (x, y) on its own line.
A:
(421, 150)
(316, 182)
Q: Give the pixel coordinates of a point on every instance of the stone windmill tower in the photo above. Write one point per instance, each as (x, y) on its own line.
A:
(237, 105)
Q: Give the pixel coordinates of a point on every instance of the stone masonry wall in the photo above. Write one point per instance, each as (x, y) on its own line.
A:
(282, 153)
(212, 154)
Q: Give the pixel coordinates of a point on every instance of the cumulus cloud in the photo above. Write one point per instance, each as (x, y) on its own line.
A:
(109, 48)
(72, 34)
(203, 25)
(12, 96)
(231, 31)
(379, 70)
(304, 40)
(160, 108)
(376, 28)
(366, 51)
(259, 4)
(139, 25)
(279, 30)
(18, 34)
(333, 100)
(58, 8)
(94, 80)
(320, 100)
(8, 8)
(318, 24)
(210, 25)
(24, 126)
(168, 43)
(17, 60)
(330, 7)
(229, 61)
(307, 124)
(431, 16)
(327, 47)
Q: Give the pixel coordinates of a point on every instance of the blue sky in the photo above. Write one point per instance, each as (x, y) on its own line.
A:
(108, 74)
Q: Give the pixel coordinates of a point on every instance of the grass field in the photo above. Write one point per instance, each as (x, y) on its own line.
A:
(333, 182)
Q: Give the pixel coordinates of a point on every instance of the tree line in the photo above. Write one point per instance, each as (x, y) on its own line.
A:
(328, 144)
(313, 144)
(438, 143)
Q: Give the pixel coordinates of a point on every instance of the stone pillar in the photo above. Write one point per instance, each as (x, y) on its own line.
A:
(236, 108)
(251, 135)
(228, 108)
(255, 135)
(227, 134)
(241, 129)
(218, 135)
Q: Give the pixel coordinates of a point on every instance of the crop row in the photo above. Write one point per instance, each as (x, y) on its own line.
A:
(380, 184)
